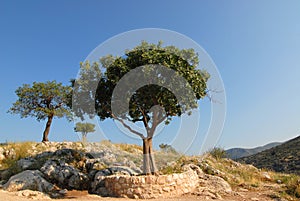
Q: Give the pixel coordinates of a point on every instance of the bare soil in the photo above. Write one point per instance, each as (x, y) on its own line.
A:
(242, 195)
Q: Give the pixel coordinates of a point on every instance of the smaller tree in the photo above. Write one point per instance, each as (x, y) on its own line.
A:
(84, 129)
(218, 153)
(43, 101)
(167, 148)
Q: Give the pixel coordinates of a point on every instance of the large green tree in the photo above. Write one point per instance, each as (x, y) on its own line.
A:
(84, 129)
(155, 102)
(44, 101)
(151, 104)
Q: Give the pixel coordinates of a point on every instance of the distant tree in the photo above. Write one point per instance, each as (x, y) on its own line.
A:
(218, 153)
(43, 101)
(167, 148)
(84, 129)
(142, 102)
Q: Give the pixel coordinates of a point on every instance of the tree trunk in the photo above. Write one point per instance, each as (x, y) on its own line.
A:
(149, 166)
(47, 129)
(84, 137)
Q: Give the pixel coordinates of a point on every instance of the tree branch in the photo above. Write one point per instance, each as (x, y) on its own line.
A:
(145, 121)
(158, 118)
(58, 106)
(210, 96)
(161, 120)
(128, 127)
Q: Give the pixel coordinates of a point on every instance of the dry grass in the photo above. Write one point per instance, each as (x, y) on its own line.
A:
(236, 174)
(21, 150)
(131, 148)
(291, 182)
(250, 177)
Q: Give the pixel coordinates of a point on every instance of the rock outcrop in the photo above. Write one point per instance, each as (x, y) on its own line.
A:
(97, 170)
(29, 180)
(65, 175)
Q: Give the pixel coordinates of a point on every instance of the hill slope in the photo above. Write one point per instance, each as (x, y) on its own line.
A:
(283, 158)
(236, 153)
(86, 165)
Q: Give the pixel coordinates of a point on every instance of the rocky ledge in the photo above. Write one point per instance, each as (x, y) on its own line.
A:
(60, 167)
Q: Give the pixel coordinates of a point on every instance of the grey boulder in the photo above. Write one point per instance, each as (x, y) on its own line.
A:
(28, 180)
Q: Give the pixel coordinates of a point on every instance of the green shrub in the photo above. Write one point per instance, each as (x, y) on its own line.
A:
(218, 153)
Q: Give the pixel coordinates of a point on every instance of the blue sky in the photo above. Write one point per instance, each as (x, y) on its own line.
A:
(254, 44)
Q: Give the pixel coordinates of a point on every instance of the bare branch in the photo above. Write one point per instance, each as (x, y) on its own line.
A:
(128, 127)
(158, 118)
(161, 120)
(210, 96)
(145, 121)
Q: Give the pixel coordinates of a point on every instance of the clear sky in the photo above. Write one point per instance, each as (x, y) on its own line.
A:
(254, 44)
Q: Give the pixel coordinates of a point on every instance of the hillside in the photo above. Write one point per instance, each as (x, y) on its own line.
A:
(283, 158)
(236, 153)
(60, 169)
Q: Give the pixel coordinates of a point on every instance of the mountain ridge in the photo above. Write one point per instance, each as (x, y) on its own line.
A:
(282, 158)
(235, 153)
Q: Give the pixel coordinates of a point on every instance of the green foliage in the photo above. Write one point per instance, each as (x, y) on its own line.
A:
(141, 103)
(218, 153)
(42, 100)
(84, 129)
(167, 148)
(165, 73)
(84, 88)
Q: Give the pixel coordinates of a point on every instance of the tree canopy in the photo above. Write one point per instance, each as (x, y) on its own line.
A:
(84, 89)
(184, 62)
(84, 129)
(43, 101)
(164, 82)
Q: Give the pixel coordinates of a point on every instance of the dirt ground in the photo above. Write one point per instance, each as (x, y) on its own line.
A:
(83, 196)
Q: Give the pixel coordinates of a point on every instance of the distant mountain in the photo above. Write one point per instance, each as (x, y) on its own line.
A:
(282, 158)
(236, 153)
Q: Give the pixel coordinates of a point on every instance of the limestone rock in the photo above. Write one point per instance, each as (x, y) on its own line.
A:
(196, 168)
(9, 153)
(98, 184)
(25, 163)
(2, 157)
(28, 180)
(46, 154)
(65, 175)
(212, 186)
(266, 176)
(123, 170)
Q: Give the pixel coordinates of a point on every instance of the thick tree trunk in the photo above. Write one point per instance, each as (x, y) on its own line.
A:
(47, 129)
(149, 166)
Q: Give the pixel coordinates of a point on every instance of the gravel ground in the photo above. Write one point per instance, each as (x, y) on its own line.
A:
(83, 196)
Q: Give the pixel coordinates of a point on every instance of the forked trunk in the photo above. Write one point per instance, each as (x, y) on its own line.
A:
(149, 166)
(47, 129)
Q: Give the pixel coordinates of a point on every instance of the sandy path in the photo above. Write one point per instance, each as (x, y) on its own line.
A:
(82, 196)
